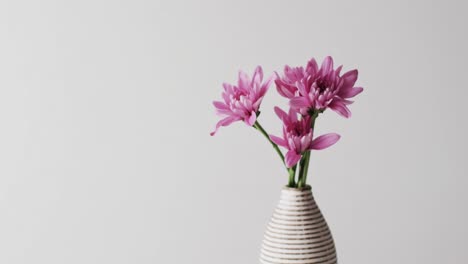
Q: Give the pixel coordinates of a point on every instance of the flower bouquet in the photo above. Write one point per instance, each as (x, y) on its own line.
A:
(297, 232)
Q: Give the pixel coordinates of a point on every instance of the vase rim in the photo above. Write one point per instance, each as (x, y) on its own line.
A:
(305, 188)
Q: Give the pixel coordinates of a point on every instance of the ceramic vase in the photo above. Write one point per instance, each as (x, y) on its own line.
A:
(297, 232)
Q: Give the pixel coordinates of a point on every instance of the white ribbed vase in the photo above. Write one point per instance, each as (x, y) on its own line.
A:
(297, 232)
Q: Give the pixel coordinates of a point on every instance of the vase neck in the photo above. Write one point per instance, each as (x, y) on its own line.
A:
(296, 193)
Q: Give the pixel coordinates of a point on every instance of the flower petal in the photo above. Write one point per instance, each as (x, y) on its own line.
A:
(312, 67)
(251, 120)
(243, 82)
(284, 89)
(265, 86)
(306, 142)
(351, 92)
(292, 114)
(299, 102)
(292, 158)
(349, 79)
(338, 70)
(339, 107)
(327, 65)
(279, 141)
(280, 113)
(224, 122)
(220, 105)
(325, 141)
(303, 87)
(257, 76)
(346, 102)
(227, 87)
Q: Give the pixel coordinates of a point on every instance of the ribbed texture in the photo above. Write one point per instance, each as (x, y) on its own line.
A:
(297, 232)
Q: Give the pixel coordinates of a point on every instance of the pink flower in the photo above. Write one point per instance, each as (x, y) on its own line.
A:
(242, 102)
(314, 88)
(297, 136)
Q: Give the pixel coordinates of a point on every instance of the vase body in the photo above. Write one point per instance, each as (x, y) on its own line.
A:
(297, 232)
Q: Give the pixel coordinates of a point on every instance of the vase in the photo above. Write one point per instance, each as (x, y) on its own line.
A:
(297, 232)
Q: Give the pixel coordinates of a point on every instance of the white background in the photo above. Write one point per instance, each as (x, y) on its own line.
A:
(105, 114)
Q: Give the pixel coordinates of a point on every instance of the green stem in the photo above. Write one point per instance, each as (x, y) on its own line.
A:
(291, 171)
(292, 175)
(304, 168)
(305, 160)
